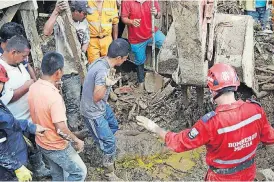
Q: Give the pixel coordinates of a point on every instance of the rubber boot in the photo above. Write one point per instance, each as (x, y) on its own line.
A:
(108, 164)
(39, 169)
(109, 174)
(141, 87)
(113, 97)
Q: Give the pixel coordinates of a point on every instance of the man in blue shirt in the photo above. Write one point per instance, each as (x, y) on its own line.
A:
(259, 10)
(97, 113)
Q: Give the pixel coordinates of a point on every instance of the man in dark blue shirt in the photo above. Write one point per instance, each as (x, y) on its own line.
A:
(13, 148)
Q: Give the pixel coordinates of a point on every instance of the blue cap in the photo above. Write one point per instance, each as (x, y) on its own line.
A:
(81, 5)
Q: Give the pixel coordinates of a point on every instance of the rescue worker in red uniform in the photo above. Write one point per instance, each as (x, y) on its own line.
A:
(231, 133)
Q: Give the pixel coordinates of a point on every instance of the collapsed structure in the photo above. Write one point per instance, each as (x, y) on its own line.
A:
(204, 40)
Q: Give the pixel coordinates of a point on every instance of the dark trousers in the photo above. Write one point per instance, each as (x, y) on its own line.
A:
(121, 27)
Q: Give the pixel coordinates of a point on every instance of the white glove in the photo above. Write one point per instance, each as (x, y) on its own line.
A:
(147, 123)
(110, 78)
(111, 81)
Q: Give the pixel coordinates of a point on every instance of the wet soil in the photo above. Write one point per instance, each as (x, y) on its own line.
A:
(173, 113)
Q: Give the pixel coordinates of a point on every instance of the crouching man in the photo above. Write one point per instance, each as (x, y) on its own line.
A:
(13, 148)
(47, 109)
(231, 133)
(98, 115)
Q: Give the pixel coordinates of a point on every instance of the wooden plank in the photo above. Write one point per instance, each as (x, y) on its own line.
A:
(9, 3)
(75, 46)
(9, 14)
(32, 35)
(29, 5)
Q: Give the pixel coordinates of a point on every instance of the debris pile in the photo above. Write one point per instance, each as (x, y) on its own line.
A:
(229, 7)
(167, 107)
(264, 60)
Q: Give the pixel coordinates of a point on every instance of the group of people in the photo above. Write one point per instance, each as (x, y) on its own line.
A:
(33, 111)
(260, 11)
(27, 100)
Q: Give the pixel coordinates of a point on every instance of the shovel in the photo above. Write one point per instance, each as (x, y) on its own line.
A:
(153, 80)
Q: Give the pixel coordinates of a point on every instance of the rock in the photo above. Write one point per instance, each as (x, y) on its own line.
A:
(141, 104)
(165, 93)
(123, 90)
(234, 45)
(153, 82)
(138, 145)
(261, 94)
(113, 97)
(268, 174)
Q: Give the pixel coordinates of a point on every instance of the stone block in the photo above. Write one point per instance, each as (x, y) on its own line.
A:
(187, 19)
(234, 45)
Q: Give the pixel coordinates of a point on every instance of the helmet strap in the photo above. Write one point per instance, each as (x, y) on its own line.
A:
(224, 90)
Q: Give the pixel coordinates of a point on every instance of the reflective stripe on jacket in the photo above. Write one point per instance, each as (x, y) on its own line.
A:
(231, 134)
(100, 24)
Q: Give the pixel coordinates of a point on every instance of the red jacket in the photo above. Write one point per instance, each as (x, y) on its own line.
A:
(231, 134)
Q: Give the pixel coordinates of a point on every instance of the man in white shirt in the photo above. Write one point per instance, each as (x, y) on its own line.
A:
(16, 89)
(15, 93)
(71, 81)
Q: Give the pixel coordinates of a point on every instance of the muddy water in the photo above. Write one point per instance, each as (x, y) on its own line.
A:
(168, 166)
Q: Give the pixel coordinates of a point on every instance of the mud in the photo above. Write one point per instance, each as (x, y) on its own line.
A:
(142, 156)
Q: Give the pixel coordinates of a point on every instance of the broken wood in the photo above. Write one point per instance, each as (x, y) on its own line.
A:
(44, 15)
(267, 81)
(270, 67)
(126, 101)
(264, 70)
(141, 104)
(32, 35)
(131, 112)
(167, 91)
(262, 78)
(261, 94)
(200, 96)
(75, 46)
(9, 14)
(268, 87)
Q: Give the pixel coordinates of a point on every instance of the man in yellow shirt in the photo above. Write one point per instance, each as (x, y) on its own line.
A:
(103, 26)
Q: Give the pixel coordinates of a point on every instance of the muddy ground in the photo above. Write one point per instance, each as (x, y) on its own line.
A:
(140, 155)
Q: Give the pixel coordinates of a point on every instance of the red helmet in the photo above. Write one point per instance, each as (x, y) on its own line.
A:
(3, 74)
(221, 76)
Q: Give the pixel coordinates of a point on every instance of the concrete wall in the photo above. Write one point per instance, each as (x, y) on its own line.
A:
(187, 19)
(6, 4)
(234, 45)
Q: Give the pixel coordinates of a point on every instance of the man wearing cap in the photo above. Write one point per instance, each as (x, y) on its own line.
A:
(103, 26)
(71, 80)
(98, 115)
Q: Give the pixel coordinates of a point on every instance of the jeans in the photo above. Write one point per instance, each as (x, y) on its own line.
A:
(141, 73)
(71, 93)
(65, 165)
(103, 129)
(121, 28)
(139, 51)
(261, 15)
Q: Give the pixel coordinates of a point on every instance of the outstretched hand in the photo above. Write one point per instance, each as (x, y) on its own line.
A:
(110, 78)
(40, 130)
(147, 123)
